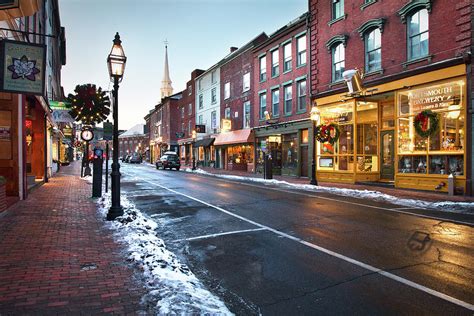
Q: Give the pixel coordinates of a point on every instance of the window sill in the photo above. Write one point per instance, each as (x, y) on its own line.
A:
(418, 60)
(342, 17)
(286, 71)
(336, 83)
(275, 76)
(262, 81)
(288, 114)
(301, 112)
(300, 66)
(374, 72)
(365, 5)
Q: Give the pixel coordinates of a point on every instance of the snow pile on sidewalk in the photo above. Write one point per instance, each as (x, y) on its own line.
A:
(457, 207)
(173, 288)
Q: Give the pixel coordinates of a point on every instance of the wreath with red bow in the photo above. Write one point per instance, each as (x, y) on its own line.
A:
(426, 123)
(327, 133)
(89, 105)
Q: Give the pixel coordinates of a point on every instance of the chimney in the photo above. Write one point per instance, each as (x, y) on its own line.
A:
(233, 49)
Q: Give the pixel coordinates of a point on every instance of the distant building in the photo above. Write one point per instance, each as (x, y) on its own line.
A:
(133, 140)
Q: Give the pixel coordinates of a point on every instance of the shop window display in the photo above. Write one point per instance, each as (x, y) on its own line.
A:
(447, 101)
(289, 154)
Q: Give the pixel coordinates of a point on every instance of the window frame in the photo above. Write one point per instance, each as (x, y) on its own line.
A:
(243, 82)
(419, 34)
(367, 52)
(226, 90)
(201, 101)
(290, 100)
(262, 106)
(287, 60)
(336, 6)
(275, 92)
(275, 65)
(299, 108)
(245, 113)
(300, 53)
(214, 95)
(333, 63)
(262, 70)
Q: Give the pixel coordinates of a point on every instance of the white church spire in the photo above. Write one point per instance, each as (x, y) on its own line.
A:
(166, 88)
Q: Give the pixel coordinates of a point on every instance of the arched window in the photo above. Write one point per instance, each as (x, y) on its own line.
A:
(418, 34)
(373, 50)
(338, 64)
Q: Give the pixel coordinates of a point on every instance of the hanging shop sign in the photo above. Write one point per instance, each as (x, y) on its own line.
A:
(22, 66)
(62, 116)
(226, 125)
(60, 105)
(200, 128)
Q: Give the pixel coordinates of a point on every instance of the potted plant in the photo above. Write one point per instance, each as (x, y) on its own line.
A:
(3, 194)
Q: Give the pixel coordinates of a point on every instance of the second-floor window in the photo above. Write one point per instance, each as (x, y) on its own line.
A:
(246, 117)
(301, 89)
(213, 120)
(190, 109)
(263, 68)
(418, 35)
(246, 82)
(338, 62)
(301, 47)
(190, 90)
(337, 9)
(182, 128)
(263, 105)
(213, 95)
(182, 112)
(200, 119)
(288, 99)
(227, 113)
(213, 77)
(200, 102)
(227, 90)
(276, 102)
(287, 57)
(373, 51)
(189, 127)
(275, 63)
(199, 84)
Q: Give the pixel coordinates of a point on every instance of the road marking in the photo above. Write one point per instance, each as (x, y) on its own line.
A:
(330, 252)
(221, 234)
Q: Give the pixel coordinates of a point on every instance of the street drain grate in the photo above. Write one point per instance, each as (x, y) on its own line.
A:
(88, 267)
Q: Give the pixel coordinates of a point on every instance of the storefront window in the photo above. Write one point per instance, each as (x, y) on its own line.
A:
(388, 116)
(447, 100)
(304, 136)
(367, 137)
(240, 154)
(289, 154)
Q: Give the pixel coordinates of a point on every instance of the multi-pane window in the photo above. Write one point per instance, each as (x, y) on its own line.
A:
(287, 57)
(263, 68)
(227, 90)
(373, 51)
(200, 119)
(213, 77)
(213, 95)
(182, 112)
(199, 84)
(213, 120)
(190, 90)
(275, 63)
(190, 109)
(301, 90)
(337, 9)
(200, 101)
(263, 105)
(189, 127)
(246, 114)
(276, 102)
(301, 47)
(338, 63)
(227, 113)
(246, 82)
(288, 99)
(418, 34)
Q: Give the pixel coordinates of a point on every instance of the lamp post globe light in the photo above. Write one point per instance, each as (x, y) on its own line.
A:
(314, 115)
(116, 64)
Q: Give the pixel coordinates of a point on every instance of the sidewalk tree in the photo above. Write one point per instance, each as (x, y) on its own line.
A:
(89, 104)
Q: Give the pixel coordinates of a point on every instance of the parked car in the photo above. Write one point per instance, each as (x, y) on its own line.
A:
(168, 161)
(136, 158)
(127, 158)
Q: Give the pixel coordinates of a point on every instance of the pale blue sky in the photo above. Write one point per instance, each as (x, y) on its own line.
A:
(200, 33)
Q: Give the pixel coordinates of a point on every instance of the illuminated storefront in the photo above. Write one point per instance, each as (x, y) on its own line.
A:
(378, 140)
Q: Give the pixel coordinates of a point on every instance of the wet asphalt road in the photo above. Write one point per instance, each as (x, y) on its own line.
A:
(271, 250)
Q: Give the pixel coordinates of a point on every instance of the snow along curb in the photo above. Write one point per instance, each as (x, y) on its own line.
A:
(172, 287)
(447, 206)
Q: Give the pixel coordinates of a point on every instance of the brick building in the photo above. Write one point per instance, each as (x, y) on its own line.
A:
(281, 103)
(416, 57)
(234, 144)
(133, 140)
(186, 118)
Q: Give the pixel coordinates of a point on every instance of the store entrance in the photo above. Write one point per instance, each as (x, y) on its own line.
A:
(387, 168)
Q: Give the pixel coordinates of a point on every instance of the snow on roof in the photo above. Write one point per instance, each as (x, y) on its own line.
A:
(135, 130)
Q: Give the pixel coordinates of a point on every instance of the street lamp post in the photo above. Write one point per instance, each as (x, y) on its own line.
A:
(192, 150)
(314, 119)
(116, 64)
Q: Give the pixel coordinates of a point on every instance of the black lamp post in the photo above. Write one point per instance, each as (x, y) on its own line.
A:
(192, 150)
(116, 63)
(314, 119)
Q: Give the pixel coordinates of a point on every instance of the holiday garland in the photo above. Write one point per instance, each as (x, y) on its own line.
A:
(327, 133)
(89, 105)
(426, 123)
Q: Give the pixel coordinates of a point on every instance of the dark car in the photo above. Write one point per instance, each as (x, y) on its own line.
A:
(135, 158)
(169, 160)
(127, 158)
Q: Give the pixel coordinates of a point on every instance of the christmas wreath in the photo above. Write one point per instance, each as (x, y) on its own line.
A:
(89, 104)
(327, 133)
(426, 123)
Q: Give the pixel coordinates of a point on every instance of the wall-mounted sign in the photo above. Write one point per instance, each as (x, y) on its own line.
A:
(434, 97)
(59, 105)
(5, 133)
(226, 125)
(108, 129)
(62, 116)
(200, 128)
(22, 67)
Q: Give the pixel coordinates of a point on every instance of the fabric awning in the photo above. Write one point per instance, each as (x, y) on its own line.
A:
(206, 142)
(240, 136)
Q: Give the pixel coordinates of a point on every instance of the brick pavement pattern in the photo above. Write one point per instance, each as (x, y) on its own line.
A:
(57, 258)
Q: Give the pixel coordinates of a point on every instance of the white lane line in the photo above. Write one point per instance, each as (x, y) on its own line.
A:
(331, 253)
(221, 234)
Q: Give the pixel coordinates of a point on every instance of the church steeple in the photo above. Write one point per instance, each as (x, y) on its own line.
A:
(166, 88)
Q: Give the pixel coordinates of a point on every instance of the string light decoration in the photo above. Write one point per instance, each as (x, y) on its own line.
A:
(89, 104)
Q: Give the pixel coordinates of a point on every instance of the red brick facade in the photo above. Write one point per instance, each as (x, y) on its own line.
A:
(186, 107)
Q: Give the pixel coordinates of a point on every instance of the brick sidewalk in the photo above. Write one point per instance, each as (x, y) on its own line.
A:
(400, 193)
(56, 258)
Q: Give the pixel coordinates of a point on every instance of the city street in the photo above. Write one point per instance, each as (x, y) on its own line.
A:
(272, 250)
